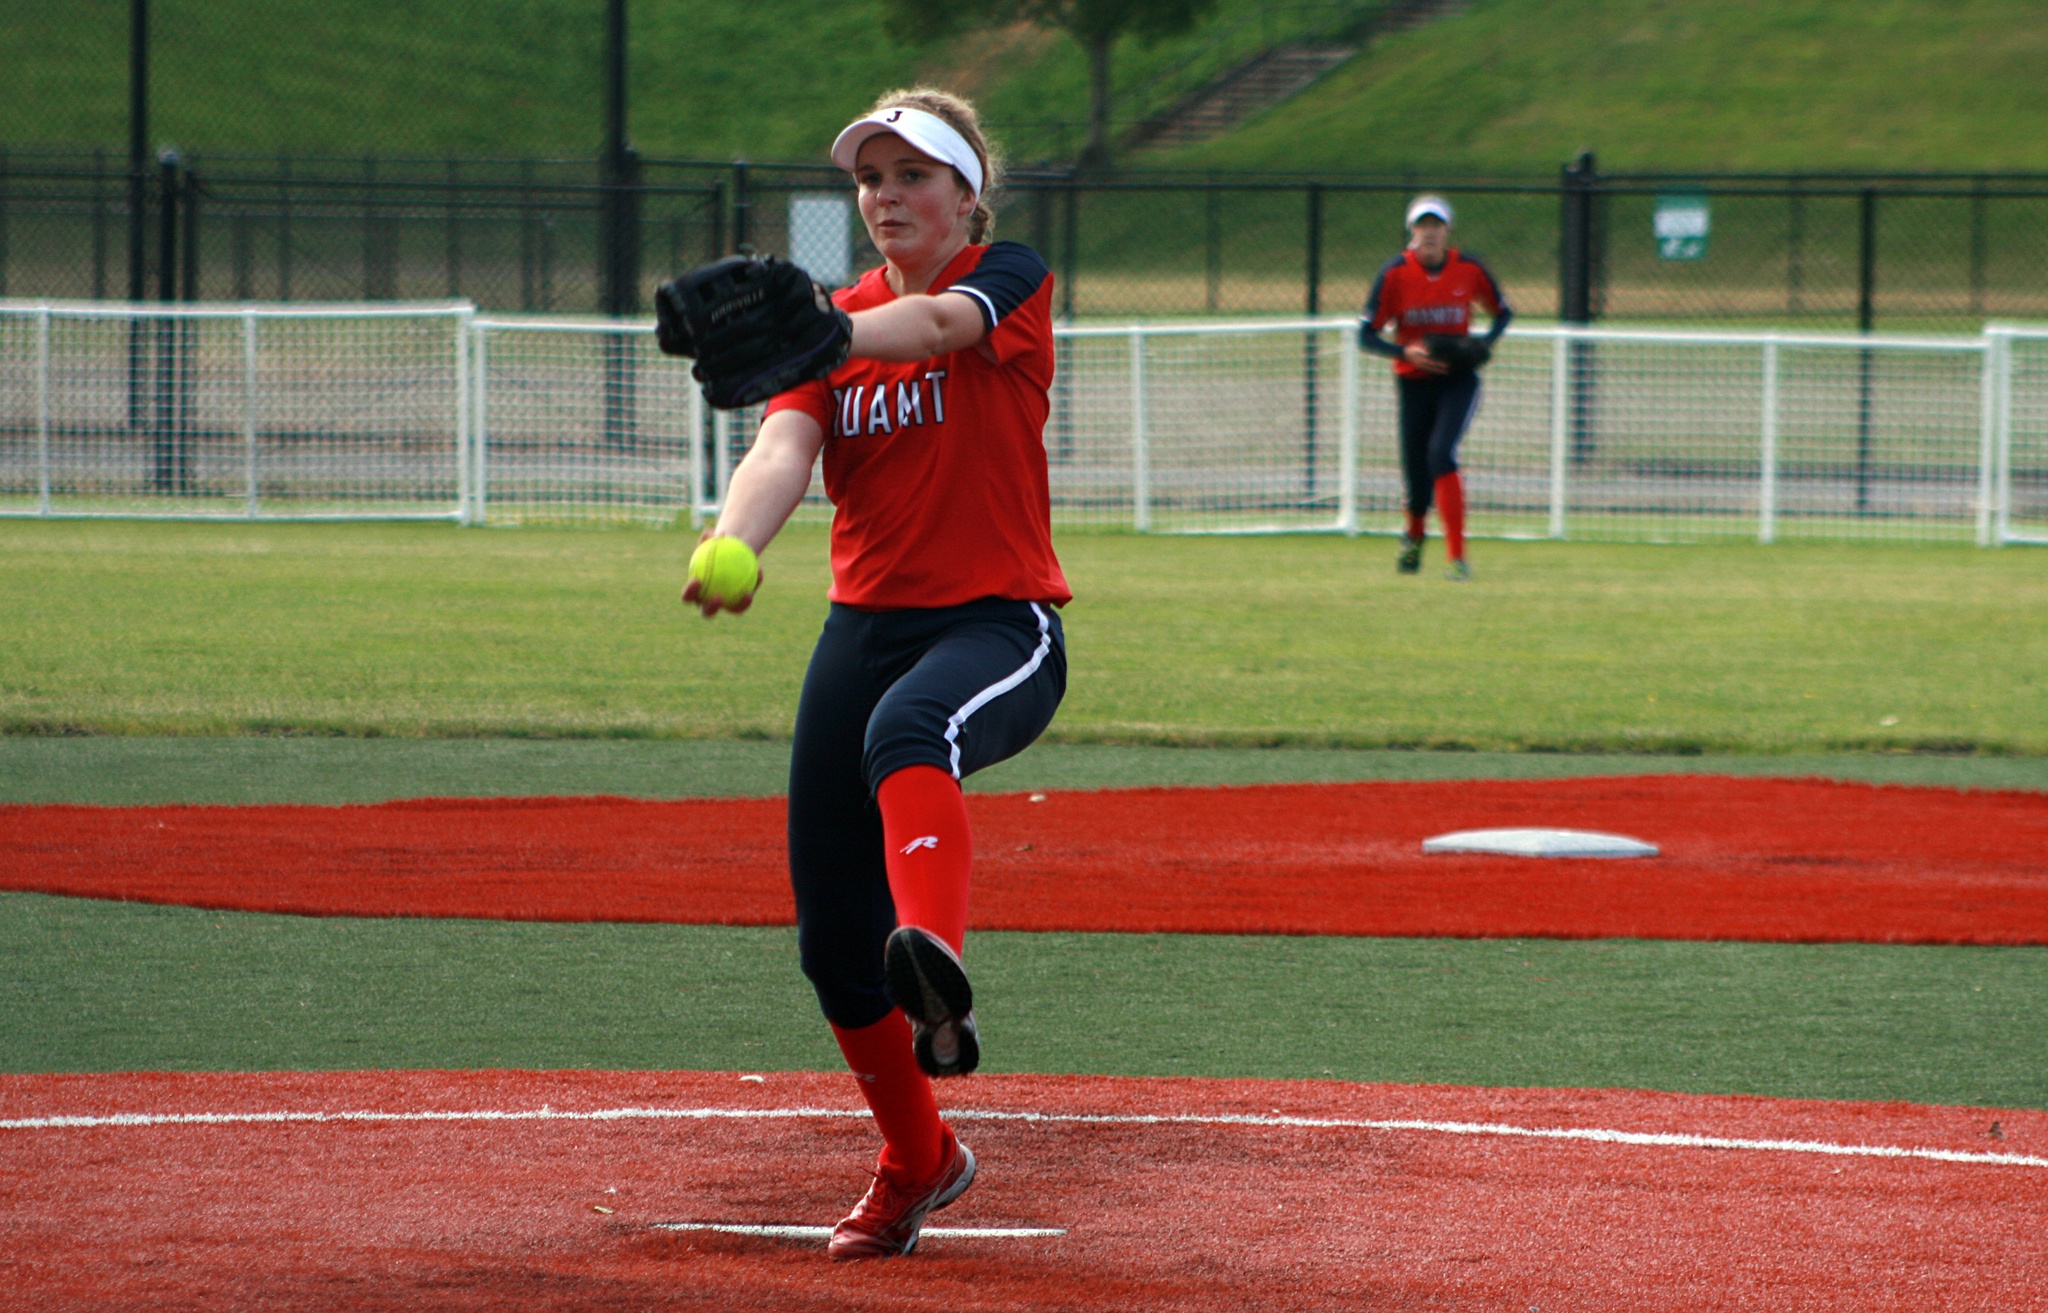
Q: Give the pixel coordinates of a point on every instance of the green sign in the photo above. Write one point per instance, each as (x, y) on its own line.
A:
(1681, 225)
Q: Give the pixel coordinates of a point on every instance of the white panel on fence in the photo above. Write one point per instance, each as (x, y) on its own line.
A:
(821, 237)
(1088, 433)
(1878, 442)
(1662, 438)
(586, 419)
(581, 420)
(1506, 453)
(242, 412)
(1244, 430)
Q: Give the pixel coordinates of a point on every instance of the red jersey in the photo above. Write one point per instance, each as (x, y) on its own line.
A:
(1418, 302)
(937, 468)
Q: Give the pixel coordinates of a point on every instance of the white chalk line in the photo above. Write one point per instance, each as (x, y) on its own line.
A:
(825, 1232)
(544, 1113)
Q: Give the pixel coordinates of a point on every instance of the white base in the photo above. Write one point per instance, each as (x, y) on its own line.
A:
(1540, 843)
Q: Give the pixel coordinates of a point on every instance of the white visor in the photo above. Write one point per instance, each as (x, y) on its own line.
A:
(927, 132)
(1426, 206)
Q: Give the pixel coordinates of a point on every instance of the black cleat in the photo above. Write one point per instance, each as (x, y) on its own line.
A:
(926, 980)
(1410, 559)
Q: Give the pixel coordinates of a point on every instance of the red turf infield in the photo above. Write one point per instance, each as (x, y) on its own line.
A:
(501, 1215)
(1801, 860)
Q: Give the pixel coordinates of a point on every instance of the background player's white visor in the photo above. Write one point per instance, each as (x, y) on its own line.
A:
(928, 132)
(1423, 207)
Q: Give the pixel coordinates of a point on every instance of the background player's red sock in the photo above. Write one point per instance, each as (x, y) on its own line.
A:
(929, 848)
(1414, 526)
(1450, 504)
(900, 1096)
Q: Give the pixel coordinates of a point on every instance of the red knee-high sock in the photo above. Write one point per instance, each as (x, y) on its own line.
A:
(900, 1096)
(1450, 504)
(930, 850)
(1414, 526)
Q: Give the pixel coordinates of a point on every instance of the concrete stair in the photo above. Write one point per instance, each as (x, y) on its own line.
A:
(1270, 77)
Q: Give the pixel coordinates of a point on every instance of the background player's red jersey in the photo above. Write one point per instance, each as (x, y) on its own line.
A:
(1418, 302)
(937, 468)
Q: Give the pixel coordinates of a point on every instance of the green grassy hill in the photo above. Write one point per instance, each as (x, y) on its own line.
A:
(710, 79)
(1509, 85)
(1676, 84)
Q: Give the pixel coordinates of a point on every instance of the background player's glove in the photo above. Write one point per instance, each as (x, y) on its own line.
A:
(755, 327)
(1459, 353)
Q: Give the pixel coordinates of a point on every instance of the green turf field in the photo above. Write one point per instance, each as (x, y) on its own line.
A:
(435, 631)
(412, 661)
(126, 771)
(91, 986)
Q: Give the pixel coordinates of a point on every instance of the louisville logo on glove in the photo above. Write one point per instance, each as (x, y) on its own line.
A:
(755, 326)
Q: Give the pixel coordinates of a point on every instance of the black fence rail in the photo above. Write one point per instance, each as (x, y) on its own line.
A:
(566, 236)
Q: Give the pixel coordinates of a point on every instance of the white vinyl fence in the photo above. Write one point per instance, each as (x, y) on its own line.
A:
(249, 411)
(434, 411)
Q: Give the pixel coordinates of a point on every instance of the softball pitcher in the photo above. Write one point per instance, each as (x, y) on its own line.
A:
(926, 392)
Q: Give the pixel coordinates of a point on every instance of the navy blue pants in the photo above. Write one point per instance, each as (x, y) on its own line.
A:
(959, 688)
(1435, 411)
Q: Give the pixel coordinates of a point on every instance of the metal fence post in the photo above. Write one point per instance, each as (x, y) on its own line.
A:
(1866, 308)
(451, 247)
(99, 225)
(465, 410)
(1311, 347)
(1977, 247)
(284, 230)
(1866, 261)
(1560, 425)
(1070, 256)
(696, 431)
(1767, 475)
(1988, 408)
(166, 469)
(249, 409)
(528, 237)
(480, 425)
(43, 411)
(1141, 457)
(1578, 258)
(1347, 435)
(742, 207)
(3, 223)
(2003, 472)
(188, 274)
(138, 148)
(621, 287)
(721, 458)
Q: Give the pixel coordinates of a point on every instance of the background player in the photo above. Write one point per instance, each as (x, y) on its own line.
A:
(1427, 292)
(942, 653)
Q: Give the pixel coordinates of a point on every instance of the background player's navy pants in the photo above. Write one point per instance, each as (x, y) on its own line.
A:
(959, 688)
(1435, 409)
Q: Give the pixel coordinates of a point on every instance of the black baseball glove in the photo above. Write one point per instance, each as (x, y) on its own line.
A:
(755, 327)
(1459, 353)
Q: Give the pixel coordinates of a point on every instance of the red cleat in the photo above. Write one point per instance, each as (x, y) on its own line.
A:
(888, 1218)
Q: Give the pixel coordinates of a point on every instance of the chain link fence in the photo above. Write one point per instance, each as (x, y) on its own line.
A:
(529, 236)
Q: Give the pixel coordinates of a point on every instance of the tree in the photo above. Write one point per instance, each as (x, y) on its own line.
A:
(1094, 24)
